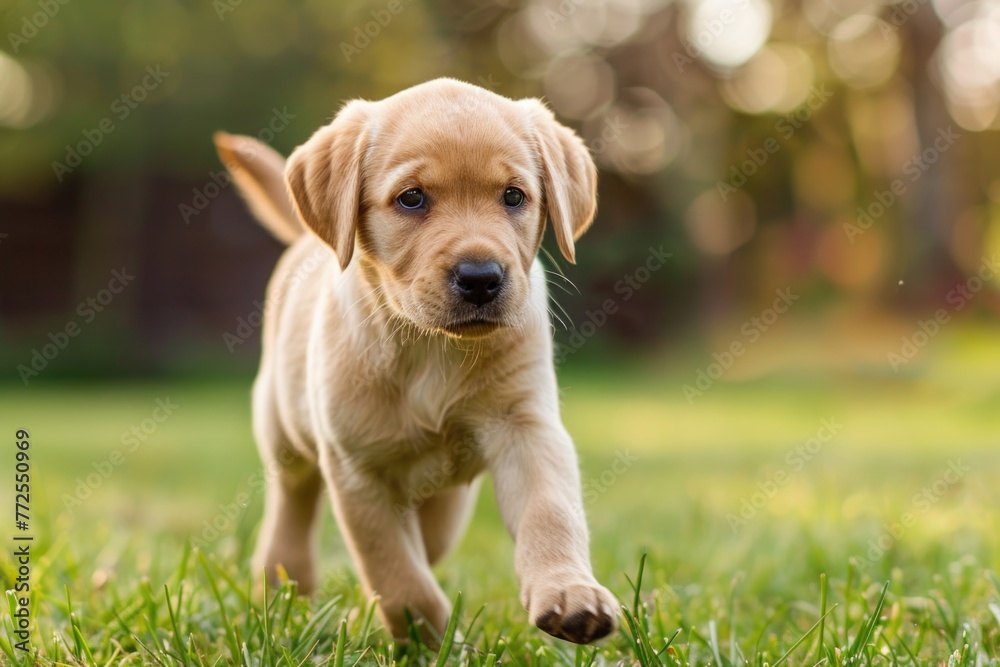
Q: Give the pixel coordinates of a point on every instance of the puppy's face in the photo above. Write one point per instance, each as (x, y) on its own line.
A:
(452, 213)
(443, 192)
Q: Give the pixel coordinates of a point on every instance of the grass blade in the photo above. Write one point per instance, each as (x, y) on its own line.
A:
(868, 627)
(803, 638)
(449, 634)
(338, 656)
(822, 614)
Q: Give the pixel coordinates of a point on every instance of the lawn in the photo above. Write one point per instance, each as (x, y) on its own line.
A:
(789, 517)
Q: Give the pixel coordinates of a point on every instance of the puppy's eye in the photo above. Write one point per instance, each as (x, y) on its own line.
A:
(411, 199)
(513, 197)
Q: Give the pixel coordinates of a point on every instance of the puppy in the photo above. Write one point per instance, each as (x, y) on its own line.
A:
(407, 346)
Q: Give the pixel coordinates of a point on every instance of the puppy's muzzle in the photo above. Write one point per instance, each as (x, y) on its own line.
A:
(478, 283)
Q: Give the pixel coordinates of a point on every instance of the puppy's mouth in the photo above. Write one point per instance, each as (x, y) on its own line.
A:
(477, 327)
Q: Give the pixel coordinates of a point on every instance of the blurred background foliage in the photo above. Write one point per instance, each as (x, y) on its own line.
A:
(767, 144)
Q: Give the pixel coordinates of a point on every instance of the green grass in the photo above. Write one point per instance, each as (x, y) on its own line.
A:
(117, 581)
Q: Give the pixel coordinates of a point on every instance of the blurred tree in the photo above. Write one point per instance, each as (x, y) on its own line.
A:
(751, 138)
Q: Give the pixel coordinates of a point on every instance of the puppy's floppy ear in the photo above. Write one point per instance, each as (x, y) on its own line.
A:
(324, 179)
(569, 178)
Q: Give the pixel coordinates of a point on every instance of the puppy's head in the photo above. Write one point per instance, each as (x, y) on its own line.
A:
(441, 193)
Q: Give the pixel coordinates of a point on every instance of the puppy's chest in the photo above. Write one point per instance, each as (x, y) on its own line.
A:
(415, 457)
(418, 425)
(435, 461)
(428, 396)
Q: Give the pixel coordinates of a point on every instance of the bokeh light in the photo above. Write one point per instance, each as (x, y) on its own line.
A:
(718, 227)
(640, 134)
(968, 59)
(856, 263)
(26, 93)
(15, 92)
(727, 33)
(777, 79)
(579, 86)
(863, 51)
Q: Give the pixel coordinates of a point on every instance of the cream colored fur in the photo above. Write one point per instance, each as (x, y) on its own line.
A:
(378, 384)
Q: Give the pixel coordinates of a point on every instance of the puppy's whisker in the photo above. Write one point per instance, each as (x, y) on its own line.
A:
(555, 301)
(555, 284)
(562, 310)
(390, 321)
(558, 269)
(378, 309)
(400, 327)
(469, 354)
(362, 298)
(558, 319)
(381, 340)
(563, 276)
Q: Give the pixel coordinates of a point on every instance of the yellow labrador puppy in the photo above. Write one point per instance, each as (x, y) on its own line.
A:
(407, 346)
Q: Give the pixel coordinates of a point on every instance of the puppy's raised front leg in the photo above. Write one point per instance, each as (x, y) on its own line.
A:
(537, 482)
(388, 551)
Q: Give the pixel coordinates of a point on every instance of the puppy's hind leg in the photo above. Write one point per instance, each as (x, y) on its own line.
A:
(444, 517)
(291, 502)
(287, 534)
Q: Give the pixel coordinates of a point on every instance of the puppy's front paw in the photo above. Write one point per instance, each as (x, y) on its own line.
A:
(579, 611)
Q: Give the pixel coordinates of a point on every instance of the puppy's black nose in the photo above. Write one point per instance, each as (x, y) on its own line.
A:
(478, 282)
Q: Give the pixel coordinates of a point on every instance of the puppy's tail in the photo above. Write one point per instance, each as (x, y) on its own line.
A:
(259, 173)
